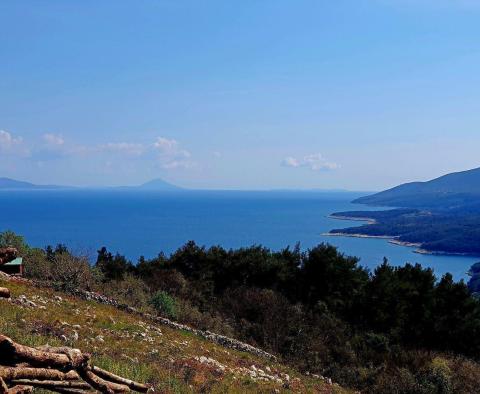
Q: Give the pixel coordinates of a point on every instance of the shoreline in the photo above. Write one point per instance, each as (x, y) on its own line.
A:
(405, 243)
(392, 239)
(359, 235)
(440, 253)
(353, 218)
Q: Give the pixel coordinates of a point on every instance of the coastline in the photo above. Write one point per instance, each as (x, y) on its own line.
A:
(395, 241)
(387, 237)
(392, 239)
(440, 253)
(353, 218)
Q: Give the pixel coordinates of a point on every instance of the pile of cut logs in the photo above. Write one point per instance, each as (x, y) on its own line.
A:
(56, 369)
(7, 255)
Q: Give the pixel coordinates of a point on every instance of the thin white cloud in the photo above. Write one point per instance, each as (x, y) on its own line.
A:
(8, 142)
(53, 147)
(53, 140)
(174, 164)
(56, 144)
(128, 148)
(165, 145)
(162, 152)
(170, 155)
(316, 162)
(290, 162)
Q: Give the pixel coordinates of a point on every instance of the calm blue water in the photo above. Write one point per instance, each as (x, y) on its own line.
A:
(135, 224)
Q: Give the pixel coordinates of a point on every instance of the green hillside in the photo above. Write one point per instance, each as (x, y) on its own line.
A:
(173, 361)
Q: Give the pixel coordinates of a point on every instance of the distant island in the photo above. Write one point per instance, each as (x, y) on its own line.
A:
(12, 184)
(441, 216)
(153, 185)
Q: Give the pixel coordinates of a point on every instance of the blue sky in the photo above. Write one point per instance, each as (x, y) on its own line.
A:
(239, 94)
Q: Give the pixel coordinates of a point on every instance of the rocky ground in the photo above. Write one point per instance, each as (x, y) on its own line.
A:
(173, 360)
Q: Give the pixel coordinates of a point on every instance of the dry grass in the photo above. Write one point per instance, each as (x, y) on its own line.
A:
(140, 350)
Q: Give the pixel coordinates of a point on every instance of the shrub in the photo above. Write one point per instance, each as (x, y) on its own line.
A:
(465, 375)
(398, 381)
(10, 239)
(164, 304)
(436, 378)
(37, 266)
(131, 290)
(70, 272)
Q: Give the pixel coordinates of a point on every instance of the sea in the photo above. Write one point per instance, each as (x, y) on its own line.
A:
(139, 223)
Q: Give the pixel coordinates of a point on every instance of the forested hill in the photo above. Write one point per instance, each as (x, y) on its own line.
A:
(452, 190)
(441, 216)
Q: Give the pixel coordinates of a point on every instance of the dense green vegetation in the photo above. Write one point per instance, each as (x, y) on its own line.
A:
(448, 231)
(318, 309)
(474, 282)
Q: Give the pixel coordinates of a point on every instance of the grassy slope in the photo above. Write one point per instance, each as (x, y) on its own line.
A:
(139, 349)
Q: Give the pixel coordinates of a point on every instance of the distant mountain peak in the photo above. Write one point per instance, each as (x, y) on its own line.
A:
(159, 184)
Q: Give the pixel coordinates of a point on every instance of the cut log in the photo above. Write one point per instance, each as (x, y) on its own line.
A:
(14, 390)
(101, 384)
(74, 391)
(14, 373)
(53, 384)
(7, 255)
(3, 387)
(73, 354)
(4, 292)
(10, 350)
(20, 390)
(142, 388)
